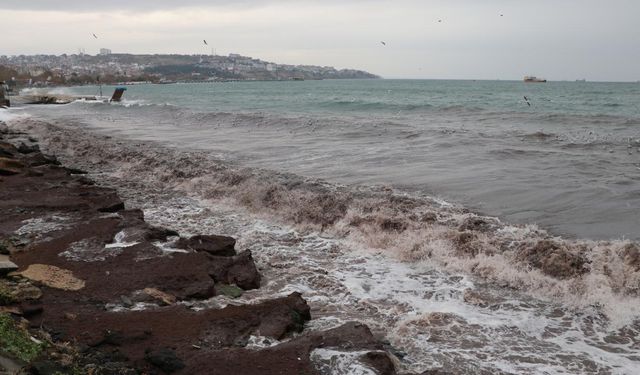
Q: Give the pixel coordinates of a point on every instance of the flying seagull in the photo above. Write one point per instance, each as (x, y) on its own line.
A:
(383, 43)
(439, 20)
(95, 36)
(205, 42)
(527, 100)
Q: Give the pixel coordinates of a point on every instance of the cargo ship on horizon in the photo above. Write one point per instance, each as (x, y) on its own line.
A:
(534, 79)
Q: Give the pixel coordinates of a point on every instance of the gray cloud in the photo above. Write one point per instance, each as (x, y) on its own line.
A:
(123, 5)
(557, 39)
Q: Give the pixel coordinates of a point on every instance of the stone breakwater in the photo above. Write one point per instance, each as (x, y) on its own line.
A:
(88, 286)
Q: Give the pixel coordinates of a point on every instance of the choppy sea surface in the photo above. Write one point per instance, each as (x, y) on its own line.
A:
(569, 161)
(473, 229)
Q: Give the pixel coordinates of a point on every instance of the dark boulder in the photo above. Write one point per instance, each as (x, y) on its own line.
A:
(277, 324)
(27, 149)
(104, 200)
(239, 270)
(159, 234)
(37, 159)
(380, 361)
(164, 359)
(212, 244)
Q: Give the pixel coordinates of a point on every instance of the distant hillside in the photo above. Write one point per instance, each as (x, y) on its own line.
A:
(75, 69)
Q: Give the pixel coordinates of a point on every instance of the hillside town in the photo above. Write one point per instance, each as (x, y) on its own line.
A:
(108, 67)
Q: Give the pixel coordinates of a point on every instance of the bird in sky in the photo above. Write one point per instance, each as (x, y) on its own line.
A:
(205, 42)
(95, 36)
(439, 20)
(383, 43)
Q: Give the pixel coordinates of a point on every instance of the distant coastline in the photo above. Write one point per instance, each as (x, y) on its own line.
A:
(108, 68)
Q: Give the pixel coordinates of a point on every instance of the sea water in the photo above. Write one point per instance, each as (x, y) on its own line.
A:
(568, 161)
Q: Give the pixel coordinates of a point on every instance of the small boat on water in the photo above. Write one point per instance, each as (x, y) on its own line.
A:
(534, 79)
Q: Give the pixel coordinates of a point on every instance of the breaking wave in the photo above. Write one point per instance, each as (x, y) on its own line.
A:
(409, 227)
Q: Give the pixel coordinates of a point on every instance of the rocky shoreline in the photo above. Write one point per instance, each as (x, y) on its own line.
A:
(88, 287)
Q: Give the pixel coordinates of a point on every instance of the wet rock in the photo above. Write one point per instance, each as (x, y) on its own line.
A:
(212, 244)
(52, 277)
(18, 291)
(239, 270)
(126, 301)
(97, 362)
(296, 356)
(47, 367)
(278, 325)
(27, 149)
(6, 265)
(159, 234)
(164, 359)
(105, 200)
(75, 171)
(379, 361)
(554, 259)
(38, 159)
(7, 150)
(11, 310)
(30, 308)
(4, 248)
(10, 167)
(120, 338)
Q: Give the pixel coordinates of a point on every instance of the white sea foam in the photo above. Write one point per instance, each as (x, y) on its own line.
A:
(37, 228)
(119, 241)
(336, 362)
(13, 114)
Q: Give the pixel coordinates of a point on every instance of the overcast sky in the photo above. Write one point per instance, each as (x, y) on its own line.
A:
(555, 39)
